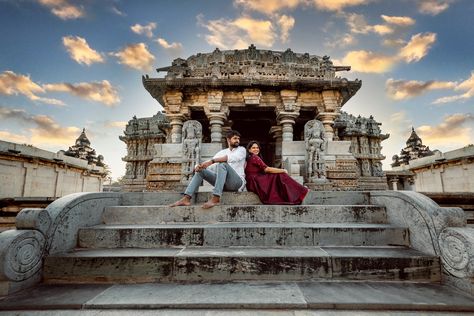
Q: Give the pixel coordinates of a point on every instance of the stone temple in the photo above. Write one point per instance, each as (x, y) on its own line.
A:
(290, 102)
(351, 244)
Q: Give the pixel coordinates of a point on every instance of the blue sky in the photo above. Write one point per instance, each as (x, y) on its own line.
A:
(67, 65)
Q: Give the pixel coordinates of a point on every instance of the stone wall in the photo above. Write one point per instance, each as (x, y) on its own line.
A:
(27, 171)
(451, 171)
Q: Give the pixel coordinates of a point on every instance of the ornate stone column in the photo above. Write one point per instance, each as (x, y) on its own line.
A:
(176, 122)
(327, 118)
(216, 121)
(394, 181)
(286, 121)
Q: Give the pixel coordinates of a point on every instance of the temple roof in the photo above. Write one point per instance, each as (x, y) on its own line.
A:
(252, 68)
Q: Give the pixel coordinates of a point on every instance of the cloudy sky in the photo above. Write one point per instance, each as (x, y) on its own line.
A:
(67, 65)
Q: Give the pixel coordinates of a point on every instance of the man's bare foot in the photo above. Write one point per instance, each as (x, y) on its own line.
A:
(184, 201)
(215, 200)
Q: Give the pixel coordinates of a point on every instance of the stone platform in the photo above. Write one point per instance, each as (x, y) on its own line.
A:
(242, 298)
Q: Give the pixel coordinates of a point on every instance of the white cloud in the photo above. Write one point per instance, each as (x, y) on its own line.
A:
(467, 86)
(286, 23)
(80, 51)
(337, 5)
(239, 33)
(367, 61)
(453, 131)
(433, 7)
(146, 30)
(102, 92)
(63, 9)
(43, 129)
(417, 47)
(398, 20)
(268, 7)
(406, 89)
(136, 56)
(174, 48)
(14, 84)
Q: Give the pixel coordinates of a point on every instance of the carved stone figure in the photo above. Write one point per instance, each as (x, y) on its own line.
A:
(192, 136)
(377, 169)
(129, 173)
(315, 146)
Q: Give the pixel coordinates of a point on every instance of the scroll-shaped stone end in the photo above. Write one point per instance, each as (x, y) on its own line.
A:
(34, 218)
(21, 253)
(457, 251)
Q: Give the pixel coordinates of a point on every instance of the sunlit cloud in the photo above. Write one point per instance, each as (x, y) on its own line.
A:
(268, 6)
(406, 89)
(80, 51)
(14, 138)
(358, 25)
(398, 20)
(369, 62)
(174, 48)
(433, 7)
(63, 9)
(417, 47)
(286, 23)
(238, 33)
(466, 85)
(136, 56)
(394, 42)
(14, 84)
(454, 130)
(102, 92)
(337, 5)
(146, 30)
(115, 124)
(43, 129)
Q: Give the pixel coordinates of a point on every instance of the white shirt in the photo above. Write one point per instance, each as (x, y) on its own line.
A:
(235, 159)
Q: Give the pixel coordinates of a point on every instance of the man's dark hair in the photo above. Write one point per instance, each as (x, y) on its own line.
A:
(232, 133)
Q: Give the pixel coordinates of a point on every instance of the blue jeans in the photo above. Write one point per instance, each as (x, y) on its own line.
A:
(225, 178)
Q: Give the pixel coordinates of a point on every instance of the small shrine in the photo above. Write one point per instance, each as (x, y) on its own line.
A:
(82, 149)
(414, 149)
(289, 102)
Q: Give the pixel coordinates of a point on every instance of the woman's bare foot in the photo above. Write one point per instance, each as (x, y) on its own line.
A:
(215, 200)
(184, 201)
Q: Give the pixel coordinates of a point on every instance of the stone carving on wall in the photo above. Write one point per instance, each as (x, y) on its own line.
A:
(192, 137)
(253, 63)
(315, 148)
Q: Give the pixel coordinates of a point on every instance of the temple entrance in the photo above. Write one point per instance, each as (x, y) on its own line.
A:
(255, 124)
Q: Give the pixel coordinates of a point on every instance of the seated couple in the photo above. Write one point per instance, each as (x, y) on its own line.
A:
(236, 168)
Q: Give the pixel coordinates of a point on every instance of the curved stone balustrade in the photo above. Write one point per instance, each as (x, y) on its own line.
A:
(435, 230)
(46, 231)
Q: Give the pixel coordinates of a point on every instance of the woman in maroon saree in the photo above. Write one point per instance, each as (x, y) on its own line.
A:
(272, 185)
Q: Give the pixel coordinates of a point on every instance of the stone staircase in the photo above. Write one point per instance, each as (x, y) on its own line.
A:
(242, 242)
(329, 244)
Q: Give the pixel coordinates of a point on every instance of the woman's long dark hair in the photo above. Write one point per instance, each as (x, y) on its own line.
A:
(250, 144)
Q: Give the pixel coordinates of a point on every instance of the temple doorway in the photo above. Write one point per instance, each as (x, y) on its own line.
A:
(255, 124)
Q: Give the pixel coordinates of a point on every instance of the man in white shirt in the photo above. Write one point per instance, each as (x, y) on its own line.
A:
(228, 175)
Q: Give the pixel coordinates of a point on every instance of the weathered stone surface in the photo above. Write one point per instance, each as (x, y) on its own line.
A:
(241, 263)
(241, 234)
(34, 218)
(250, 213)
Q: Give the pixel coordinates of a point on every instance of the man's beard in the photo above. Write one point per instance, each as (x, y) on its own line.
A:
(234, 145)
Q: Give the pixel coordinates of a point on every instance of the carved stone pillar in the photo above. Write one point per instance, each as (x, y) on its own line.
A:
(286, 120)
(277, 133)
(327, 118)
(394, 182)
(216, 121)
(176, 122)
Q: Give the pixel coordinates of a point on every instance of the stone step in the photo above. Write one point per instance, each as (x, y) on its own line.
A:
(189, 264)
(234, 198)
(149, 215)
(240, 299)
(242, 234)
